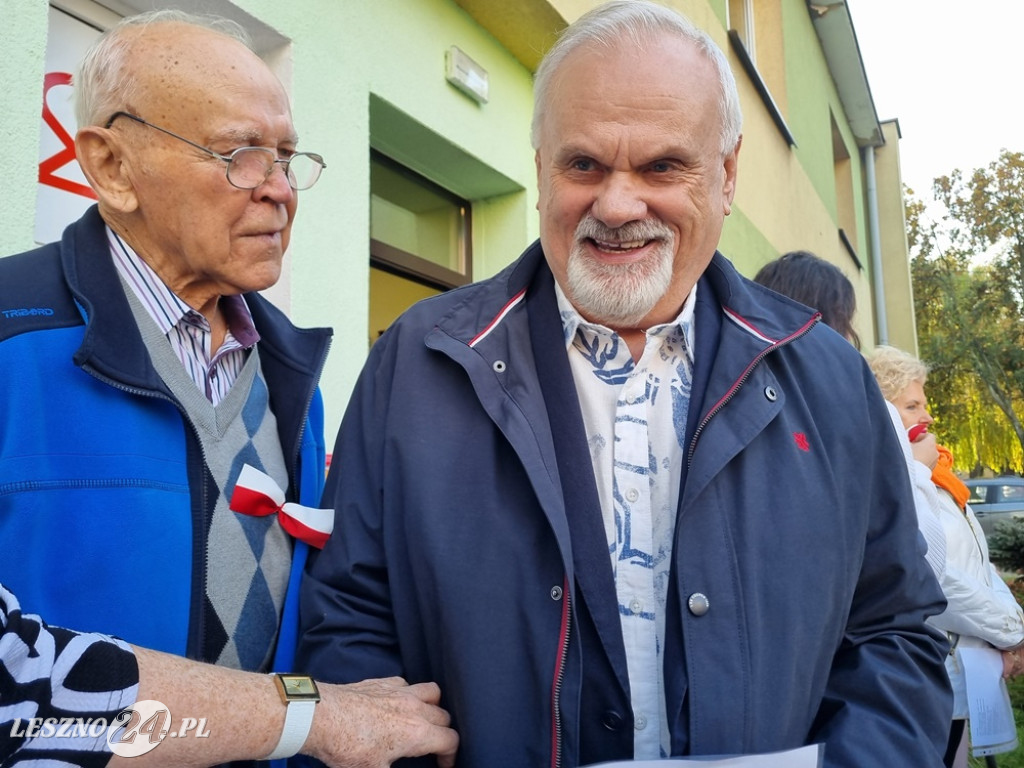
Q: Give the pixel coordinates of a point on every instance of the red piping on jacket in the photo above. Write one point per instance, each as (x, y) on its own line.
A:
(556, 683)
(775, 344)
(498, 318)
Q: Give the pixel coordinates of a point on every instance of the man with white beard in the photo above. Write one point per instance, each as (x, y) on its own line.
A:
(618, 501)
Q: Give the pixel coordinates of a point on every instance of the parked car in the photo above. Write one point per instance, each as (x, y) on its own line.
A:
(996, 498)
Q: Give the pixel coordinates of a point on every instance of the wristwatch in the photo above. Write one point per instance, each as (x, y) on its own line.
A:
(300, 695)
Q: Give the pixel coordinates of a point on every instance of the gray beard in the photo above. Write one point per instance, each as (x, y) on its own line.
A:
(619, 295)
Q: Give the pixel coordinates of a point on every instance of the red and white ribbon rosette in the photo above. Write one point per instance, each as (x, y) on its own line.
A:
(257, 494)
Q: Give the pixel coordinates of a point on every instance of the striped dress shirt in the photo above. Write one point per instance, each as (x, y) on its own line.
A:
(188, 331)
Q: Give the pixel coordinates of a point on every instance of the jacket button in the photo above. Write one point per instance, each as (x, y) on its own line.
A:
(611, 720)
(499, 366)
(771, 394)
(698, 604)
(556, 593)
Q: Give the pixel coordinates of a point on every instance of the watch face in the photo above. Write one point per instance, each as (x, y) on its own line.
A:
(299, 687)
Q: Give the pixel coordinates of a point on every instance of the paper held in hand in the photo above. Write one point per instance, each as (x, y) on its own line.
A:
(988, 703)
(810, 756)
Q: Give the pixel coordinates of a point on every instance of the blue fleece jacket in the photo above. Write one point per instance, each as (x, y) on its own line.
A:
(104, 494)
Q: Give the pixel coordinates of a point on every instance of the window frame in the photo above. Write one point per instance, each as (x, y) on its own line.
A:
(397, 261)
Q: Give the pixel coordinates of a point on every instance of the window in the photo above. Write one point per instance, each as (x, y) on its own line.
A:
(420, 242)
(427, 195)
(1011, 492)
(741, 19)
(755, 34)
(417, 229)
(978, 494)
(846, 211)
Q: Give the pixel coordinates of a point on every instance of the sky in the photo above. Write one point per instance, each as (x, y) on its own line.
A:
(952, 73)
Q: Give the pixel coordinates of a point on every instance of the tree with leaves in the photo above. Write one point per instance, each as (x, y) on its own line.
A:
(968, 272)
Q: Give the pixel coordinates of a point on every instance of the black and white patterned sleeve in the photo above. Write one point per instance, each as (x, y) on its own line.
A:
(52, 677)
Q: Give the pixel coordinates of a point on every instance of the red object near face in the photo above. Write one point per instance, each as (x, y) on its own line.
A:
(916, 431)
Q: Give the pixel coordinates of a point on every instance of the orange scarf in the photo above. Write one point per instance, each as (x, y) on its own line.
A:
(943, 477)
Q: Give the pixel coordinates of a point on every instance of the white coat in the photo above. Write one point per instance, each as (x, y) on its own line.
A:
(981, 612)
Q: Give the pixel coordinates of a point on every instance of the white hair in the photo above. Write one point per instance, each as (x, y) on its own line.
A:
(104, 85)
(639, 21)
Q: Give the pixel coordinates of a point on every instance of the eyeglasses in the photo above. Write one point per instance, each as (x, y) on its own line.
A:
(248, 167)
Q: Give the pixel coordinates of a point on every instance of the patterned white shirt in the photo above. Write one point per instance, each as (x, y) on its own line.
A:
(635, 419)
(188, 331)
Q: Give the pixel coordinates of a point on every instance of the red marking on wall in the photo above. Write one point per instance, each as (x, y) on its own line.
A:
(66, 154)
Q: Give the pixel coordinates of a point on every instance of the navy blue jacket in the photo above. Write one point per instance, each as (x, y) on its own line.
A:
(103, 487)
(469, 547)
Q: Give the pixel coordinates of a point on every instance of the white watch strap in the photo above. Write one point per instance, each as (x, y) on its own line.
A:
(298, 719)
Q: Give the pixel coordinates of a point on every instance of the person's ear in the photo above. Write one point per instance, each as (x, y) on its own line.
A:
(106, 163)
(730, 167)
(537, 165)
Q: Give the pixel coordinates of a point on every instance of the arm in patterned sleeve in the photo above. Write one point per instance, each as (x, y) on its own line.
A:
(48, 672)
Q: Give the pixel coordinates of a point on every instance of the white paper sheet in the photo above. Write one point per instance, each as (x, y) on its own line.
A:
(805, 757)
(988, 702)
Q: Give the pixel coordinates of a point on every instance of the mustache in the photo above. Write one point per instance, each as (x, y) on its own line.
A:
(646, 229)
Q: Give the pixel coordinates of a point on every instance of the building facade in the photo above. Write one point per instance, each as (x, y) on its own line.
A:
(421, 109)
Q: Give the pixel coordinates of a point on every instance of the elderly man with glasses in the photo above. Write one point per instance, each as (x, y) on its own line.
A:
(143, 372)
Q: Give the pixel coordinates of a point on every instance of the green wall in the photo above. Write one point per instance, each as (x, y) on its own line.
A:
(21, 72)
(361, 73)
(358, 82)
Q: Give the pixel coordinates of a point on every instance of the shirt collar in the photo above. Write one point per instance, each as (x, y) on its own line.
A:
(573, 321)
(165, 307)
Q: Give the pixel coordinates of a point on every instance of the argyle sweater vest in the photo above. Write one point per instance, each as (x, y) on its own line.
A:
(247, 558)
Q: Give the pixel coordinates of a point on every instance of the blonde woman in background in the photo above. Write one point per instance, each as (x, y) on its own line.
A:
(981, 611)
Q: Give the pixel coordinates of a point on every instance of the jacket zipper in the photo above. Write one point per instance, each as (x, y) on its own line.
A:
(302, 422)
(741, 381)
(556, 688)
(201, 577)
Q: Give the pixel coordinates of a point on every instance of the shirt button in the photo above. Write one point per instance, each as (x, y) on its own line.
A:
(640, 721)
(636, 606)
(632, 494)
(630, 398)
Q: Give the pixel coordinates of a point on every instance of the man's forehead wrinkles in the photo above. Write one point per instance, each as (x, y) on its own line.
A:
(252, 135)
(636, 150)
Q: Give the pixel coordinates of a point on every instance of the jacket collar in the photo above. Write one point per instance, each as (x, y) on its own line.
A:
(737, 323)
(112, 346)
(756, 310)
